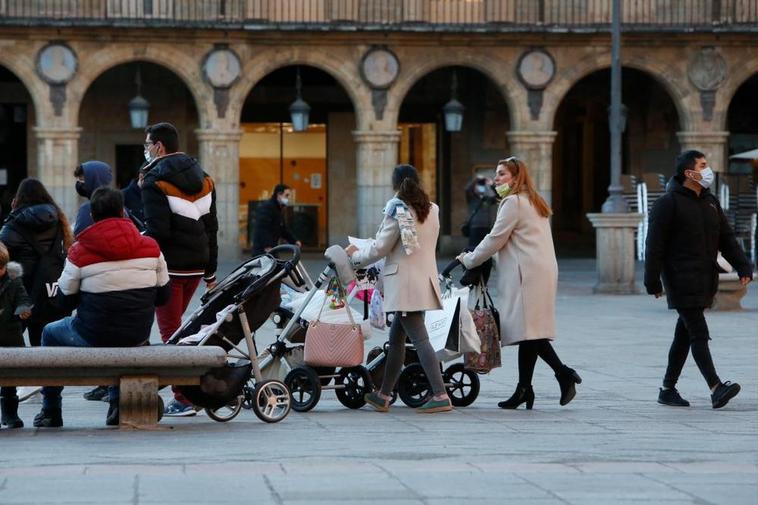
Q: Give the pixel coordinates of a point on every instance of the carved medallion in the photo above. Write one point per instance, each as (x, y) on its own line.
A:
(536, 68)
(380, 68)
(707, 71)
(222, 68)
(56, 63)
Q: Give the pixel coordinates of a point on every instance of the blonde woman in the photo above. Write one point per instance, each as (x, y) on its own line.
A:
(527, 279)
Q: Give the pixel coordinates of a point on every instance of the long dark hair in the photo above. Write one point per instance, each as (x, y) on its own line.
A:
(32, 192)
(406, 182)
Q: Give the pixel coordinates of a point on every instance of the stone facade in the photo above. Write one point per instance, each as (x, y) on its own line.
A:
(57, 128)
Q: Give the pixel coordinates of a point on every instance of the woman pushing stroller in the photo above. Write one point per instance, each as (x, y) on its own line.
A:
(527, 279)
(407, 238)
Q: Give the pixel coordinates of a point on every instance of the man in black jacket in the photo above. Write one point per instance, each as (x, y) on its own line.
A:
(687, 230)
(270, 227)
(179, 204)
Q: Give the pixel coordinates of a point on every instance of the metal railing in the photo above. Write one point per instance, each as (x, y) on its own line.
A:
(400, 15)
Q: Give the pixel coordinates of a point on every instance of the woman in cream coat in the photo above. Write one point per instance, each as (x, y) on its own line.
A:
(527, 279)
(407, 238)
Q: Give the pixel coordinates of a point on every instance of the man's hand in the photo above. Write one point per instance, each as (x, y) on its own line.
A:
(745, 280)
(25, 315)
(299, 244)
(350, 250)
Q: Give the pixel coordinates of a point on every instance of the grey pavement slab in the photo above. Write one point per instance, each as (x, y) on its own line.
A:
(612, 445)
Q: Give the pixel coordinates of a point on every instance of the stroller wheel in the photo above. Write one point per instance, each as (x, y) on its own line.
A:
(413, 386)
(356, 383)
(271, 401)
(304, 387)
(462, 385)
(227, 412)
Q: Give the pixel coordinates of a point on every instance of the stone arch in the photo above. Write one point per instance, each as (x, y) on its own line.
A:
(660, 73)
(23, 69)
(263, 64)
(746, 69)
(509, 89)
(185, 66)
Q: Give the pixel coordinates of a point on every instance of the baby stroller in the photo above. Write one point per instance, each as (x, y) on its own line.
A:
(413, 386)
(231, 312)
(305, 382)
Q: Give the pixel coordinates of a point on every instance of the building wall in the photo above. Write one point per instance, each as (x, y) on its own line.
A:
(84, 124)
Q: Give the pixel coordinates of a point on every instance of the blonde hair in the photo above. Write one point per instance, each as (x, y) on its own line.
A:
(523, 183)
(4, 256)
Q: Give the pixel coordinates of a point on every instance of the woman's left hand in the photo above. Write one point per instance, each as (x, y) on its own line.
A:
(460, 257)
(350, 250)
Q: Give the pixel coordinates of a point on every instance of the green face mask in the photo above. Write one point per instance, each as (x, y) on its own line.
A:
(503, 190)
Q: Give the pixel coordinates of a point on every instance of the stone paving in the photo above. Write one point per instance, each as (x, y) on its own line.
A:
(612, 445)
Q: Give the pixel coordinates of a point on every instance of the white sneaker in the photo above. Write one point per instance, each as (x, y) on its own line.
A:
(30, 394)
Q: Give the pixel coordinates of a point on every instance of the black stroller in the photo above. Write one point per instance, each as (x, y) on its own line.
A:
(231, 312)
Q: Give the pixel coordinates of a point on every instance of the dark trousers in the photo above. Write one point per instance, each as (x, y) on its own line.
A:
(691, 333)
(528, 352)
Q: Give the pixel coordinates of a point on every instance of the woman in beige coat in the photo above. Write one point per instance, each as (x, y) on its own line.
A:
(527, 279)
(407, 238)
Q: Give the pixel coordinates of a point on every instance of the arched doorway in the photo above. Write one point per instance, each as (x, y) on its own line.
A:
(742, 123)
(448, 161)
(317, 163)
(16, 118)
(581, 154)
(111, 137)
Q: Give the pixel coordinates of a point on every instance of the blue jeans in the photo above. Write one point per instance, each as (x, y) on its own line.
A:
(61, 333)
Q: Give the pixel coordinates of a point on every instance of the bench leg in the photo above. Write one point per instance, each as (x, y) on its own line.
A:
(139, 405)
(729, 299)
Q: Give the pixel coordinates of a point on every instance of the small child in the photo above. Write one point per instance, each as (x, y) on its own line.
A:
(15, 306)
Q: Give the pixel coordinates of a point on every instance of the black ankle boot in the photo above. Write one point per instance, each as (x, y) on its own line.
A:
(48, 418)
(523, 394)
(112, 418)
(9, 408)
(567, 379)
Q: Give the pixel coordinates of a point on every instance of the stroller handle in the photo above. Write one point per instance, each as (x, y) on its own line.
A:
(287, 248)
(450, 267)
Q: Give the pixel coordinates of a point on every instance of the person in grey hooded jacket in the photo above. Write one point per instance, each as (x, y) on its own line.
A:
(90, 175)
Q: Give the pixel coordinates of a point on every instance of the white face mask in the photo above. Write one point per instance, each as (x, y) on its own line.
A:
(148, 158)
(284, 201)
(706, 177)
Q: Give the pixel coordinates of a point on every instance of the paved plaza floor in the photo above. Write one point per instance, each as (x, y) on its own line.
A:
(613, 445)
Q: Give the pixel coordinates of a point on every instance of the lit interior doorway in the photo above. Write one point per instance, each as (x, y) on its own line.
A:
(318, 163)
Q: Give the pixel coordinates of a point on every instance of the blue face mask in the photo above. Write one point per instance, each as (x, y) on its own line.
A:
(706, 177)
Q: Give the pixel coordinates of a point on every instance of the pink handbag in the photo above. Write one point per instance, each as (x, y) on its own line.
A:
(333, 344)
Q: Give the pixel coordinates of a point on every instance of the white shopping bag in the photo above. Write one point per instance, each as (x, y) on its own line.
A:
(443, 326)
(329, 315)
(466, 339)
(376, 311)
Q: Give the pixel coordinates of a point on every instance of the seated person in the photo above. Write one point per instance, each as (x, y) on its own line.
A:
(114, 277)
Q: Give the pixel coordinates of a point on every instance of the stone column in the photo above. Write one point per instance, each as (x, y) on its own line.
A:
(536, 149)
(57, 157)
(615, 252)
(376, 156)
(712, 144)
(219, 157)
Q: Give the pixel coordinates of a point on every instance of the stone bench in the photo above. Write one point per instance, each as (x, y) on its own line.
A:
(139, 371)
(730, 292)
